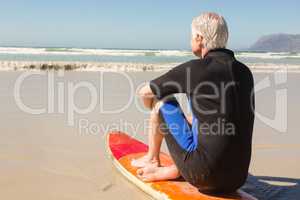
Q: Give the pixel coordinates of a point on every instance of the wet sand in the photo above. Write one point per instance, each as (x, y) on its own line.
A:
(42, 157)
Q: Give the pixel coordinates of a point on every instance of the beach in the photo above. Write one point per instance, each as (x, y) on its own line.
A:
(57, 155)
(73, 73)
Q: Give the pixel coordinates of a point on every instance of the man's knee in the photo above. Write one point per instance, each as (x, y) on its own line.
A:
(159, 109)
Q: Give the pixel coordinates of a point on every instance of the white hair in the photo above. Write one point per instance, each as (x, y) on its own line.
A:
(213, 28)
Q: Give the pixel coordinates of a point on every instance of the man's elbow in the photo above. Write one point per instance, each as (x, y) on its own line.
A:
(146, 92)
(141, 93)
(146, 96)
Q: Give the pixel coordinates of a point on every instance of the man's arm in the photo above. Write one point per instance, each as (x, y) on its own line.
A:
(149, 100)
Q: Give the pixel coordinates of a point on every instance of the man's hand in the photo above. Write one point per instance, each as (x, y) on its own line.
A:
(147, 96)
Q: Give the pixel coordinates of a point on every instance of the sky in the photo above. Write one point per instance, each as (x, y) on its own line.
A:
(138, 24)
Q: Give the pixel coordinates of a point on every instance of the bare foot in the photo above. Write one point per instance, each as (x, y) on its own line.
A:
(144, 161)
(152, 173)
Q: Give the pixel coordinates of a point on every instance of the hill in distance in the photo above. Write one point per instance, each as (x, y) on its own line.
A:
(278, 43)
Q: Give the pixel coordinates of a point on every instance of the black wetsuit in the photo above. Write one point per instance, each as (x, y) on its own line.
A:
(214, 152)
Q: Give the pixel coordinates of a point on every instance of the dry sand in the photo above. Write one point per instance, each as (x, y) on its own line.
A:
(41, 157)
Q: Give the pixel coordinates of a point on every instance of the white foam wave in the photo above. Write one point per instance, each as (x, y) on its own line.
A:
(114, 66)
(250, 57)
(267, 55)
(131, 53)
(99, 52)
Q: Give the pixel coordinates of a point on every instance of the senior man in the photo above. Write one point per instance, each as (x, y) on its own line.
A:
(212, 148)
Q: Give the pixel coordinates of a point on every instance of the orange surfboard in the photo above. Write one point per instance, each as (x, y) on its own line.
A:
(122, 149)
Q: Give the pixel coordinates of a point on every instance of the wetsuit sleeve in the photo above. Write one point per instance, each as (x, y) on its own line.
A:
(174, 81)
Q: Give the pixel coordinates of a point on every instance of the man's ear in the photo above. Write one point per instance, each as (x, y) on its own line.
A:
(199, 38)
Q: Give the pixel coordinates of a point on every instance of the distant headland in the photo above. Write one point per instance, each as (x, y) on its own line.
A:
(278, 43)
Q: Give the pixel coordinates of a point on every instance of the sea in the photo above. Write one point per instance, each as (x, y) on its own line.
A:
(92, 59)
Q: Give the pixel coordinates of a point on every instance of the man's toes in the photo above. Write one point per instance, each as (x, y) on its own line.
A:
(140, 172)
(148, 178)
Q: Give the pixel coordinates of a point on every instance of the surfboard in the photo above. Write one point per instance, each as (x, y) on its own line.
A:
(122, 149)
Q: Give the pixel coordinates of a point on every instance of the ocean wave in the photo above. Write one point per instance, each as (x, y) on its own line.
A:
(99, 52)
(134, 55)
(123, 67)
(268, 55)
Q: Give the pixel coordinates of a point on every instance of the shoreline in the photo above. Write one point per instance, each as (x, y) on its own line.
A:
(123, 66)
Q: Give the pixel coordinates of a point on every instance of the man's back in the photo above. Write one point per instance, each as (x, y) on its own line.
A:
(225, 135)
(219, 89)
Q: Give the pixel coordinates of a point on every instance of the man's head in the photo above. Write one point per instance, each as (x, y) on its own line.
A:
(209, 31)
